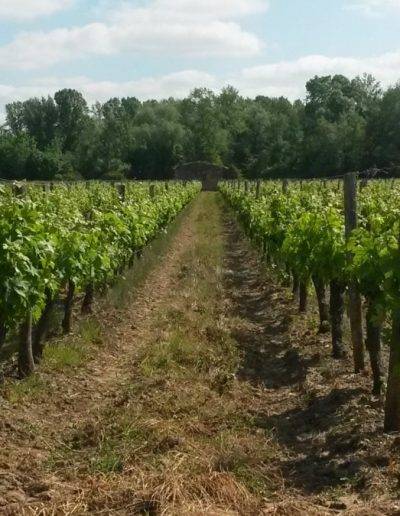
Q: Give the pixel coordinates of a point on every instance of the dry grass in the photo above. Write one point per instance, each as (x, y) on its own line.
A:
(179, 438)
(195, 404)
(31, 388)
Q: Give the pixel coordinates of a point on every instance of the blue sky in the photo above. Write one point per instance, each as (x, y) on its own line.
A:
(162, 48)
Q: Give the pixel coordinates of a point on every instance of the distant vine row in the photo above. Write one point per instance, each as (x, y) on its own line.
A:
(70, 240)
(300, 228)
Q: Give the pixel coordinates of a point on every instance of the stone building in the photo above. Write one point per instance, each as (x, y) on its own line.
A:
(207, 173)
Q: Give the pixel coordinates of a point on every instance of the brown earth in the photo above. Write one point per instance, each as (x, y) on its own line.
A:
(205, 393)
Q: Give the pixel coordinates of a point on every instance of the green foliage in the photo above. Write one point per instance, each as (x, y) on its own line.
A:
(343, 125)
(302, 231)
(14, 154)
(61, 356)
(158, 135)
(383, 136)
(30, 388)
(83, 234)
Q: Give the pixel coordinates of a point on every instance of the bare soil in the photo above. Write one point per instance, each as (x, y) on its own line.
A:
(205, 393)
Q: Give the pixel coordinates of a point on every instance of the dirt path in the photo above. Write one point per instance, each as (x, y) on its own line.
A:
(331, 451)
(205, 394)
(34, 420)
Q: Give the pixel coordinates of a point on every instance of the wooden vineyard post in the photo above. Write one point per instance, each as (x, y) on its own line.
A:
(69, 302)
(3, 331)
(336, 309)
(88, 300)
(42, 327)
(296, 282)
(355, 305)
(323, 307)
(373, 344)
(26, 364)
(152, 191)
(303, 283)
(392, 404)
(246, 187)
(303, 296)
(121, 189)
(19, 190)
(258, 189)
(296, 286)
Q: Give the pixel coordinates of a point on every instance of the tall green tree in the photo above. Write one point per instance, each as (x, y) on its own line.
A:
(343, 124)
(158, 140)
(206, 138)
(336, 117)
(36, 117)
(73, 115)
(383, 134)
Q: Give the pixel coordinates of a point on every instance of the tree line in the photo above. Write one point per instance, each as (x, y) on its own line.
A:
(342, 125)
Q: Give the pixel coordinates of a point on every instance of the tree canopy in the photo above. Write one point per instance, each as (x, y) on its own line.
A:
(342, 125)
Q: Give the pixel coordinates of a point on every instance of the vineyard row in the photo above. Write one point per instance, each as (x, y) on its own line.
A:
(343, 238)
(67, 240)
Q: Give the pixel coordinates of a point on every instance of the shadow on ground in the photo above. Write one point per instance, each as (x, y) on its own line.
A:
(264, 312)
(317, 426)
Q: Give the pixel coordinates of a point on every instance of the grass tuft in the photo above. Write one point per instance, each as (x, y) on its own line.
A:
(107, 461)
(64, 356)
(90, 332)
(31, 387)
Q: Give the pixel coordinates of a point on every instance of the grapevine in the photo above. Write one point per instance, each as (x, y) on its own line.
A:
(72, 240)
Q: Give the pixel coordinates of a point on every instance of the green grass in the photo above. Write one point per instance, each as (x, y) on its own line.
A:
(73, 353)
(177, 352)
(31, 387)
(181, 429)
(184, 353)
(126, 286)
(63, 356)
(90, 332)
(107, 461)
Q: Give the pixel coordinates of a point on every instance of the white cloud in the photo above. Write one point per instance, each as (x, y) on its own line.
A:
(288, 78)
(373, 7)
(34, 50)
(22, 10)
(177, 27)
(175, 84)
(221, 9)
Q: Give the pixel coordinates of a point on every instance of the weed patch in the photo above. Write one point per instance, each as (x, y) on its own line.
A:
(64, 356)
(30, 388)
